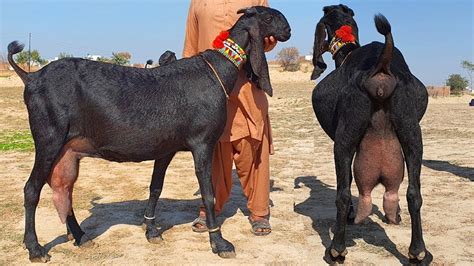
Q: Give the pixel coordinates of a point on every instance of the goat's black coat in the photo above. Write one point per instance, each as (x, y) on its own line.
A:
(128, 114)
(344, 105)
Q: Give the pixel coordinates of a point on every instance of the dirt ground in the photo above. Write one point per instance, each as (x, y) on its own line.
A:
(109, 198)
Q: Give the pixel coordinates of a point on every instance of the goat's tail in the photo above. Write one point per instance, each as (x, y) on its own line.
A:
(14, 48)
(384, 28)
(149, 62)
(381, 82)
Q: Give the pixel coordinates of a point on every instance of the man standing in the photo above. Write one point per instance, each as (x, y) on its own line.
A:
(246, 140)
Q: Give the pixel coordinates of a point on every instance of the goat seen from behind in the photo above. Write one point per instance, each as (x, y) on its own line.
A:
(370, 106)
(79, 108)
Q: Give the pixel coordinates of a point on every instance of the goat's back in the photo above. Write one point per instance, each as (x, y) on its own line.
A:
(125, 109)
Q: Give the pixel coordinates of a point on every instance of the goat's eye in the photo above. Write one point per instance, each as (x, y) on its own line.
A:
(268, 19)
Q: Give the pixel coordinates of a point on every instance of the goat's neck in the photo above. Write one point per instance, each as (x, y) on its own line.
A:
(343, 53)
(242, 38)
(226, 70)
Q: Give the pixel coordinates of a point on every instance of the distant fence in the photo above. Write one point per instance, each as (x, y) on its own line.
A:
(434, 92)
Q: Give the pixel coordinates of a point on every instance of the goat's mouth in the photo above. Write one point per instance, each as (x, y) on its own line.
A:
(283, 37)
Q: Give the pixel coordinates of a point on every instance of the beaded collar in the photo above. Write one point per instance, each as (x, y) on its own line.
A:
(342, 37)
(230, 49)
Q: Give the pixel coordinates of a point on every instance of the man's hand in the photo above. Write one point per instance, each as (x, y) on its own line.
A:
(270, 43)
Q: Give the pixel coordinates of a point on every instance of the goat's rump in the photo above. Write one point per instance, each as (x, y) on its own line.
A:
(345, 82)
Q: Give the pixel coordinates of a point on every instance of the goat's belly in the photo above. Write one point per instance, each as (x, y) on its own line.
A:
(379, 159)
(137, 152)
(125, 150)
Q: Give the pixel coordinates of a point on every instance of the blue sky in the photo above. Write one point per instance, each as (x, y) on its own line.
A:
(434, 35)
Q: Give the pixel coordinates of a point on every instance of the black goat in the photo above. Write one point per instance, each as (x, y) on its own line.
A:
(370, 106)
(79, 108)
(166, 58)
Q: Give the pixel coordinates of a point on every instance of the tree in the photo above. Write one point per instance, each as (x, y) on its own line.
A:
(457, 83)
(64, 55)
(469, 66)
(121, 58)
(24, 57)
(289, 59)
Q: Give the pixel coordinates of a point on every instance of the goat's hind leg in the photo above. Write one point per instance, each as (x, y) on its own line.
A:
(47, 149)
(49, 130)
(202, 155)
(153, 235)
(32, 191)
(409, 134)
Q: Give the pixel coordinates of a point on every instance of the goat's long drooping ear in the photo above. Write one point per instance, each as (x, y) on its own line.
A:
(319, 48)
(258, 59)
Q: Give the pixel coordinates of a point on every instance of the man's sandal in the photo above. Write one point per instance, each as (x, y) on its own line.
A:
(199, 225)
(261, 224)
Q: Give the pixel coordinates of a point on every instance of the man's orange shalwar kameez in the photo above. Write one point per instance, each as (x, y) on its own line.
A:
(246, 140)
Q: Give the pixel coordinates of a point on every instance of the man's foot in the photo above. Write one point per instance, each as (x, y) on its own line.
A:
(260, 225)
(199, 224)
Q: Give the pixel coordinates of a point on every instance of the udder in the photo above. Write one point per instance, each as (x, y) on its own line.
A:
(378, 160)
(64, 174)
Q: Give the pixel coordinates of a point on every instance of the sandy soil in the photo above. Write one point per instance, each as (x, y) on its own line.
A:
(109, 198)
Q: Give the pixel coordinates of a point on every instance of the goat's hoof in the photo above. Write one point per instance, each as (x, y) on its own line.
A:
(39, 254)
(153, 235)
(423, 258)
(85, 242)
(223, 249)
(335, 253)
(333, 257)
(154, 239)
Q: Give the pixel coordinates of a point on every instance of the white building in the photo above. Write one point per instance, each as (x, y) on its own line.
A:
(93, 57)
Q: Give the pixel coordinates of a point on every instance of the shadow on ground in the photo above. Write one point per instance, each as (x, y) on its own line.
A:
(169, 212)
(321, 208)
(464, 172)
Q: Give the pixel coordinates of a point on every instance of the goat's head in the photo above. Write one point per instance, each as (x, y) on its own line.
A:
(166, 58)
(260, 22)
(334, 17)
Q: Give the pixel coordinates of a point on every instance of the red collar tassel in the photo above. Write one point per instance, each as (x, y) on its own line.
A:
(345, 34)
(218, 42)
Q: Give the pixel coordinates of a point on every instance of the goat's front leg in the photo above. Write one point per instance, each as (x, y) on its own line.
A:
(153, 235)
(202, 162)
(409, 134)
